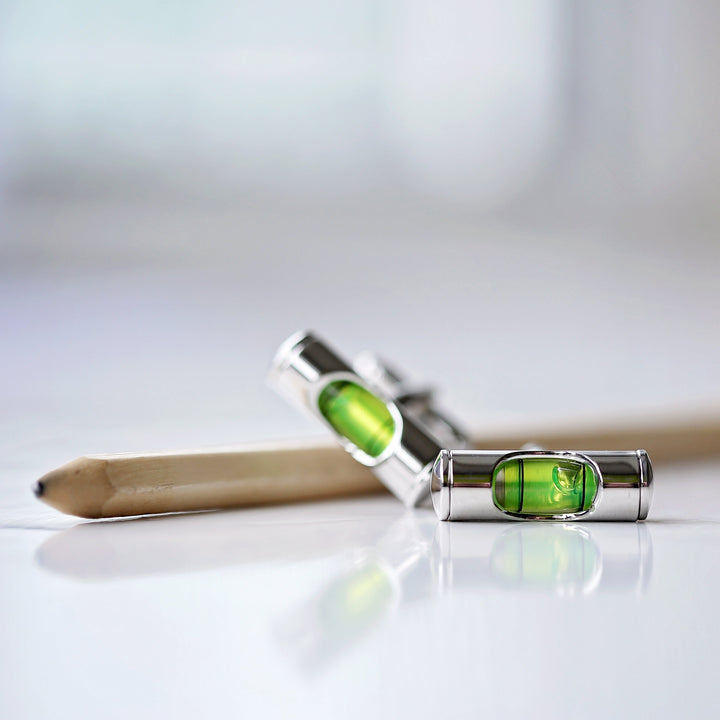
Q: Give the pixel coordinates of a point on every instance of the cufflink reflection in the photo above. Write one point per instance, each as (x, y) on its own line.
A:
(558, 559)
(419, 560)
(394, 571)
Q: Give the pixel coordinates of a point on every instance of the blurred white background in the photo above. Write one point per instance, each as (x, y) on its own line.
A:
(515, 201)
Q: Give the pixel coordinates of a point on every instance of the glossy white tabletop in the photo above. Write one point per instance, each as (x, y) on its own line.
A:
(355, 608)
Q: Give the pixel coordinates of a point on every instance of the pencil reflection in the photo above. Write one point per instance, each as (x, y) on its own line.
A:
(420, 559)
(184, 543)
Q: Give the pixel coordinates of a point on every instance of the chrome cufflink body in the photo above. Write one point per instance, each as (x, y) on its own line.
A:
(394, 430)
(542, 485)
(403, 438)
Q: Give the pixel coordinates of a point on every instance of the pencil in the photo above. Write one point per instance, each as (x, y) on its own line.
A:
(100, 486)
(103, 486)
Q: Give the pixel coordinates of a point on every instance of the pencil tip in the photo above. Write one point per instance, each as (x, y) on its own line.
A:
(39, 488)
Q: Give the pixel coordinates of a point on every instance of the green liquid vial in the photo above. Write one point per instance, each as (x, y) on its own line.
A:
(543, 487)
(358, 415)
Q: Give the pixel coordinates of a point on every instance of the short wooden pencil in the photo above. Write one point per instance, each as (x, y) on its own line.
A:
(102, 486)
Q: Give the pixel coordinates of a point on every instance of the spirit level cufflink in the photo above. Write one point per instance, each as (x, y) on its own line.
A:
(387, 426)
(541, 485)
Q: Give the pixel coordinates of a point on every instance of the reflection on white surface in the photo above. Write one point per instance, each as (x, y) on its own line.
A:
(562, 559)
(555, 558)
(385, 563)
(172, 544)
(378, 579)
(419, 558)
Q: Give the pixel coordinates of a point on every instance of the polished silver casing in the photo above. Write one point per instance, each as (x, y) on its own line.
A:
(462, 484)
(304, 365)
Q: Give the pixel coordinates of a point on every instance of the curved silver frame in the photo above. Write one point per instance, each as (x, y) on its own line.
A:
(551, 455)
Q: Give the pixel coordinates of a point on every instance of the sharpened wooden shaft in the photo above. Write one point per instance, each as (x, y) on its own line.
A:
(98, 486)
(101, 486)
